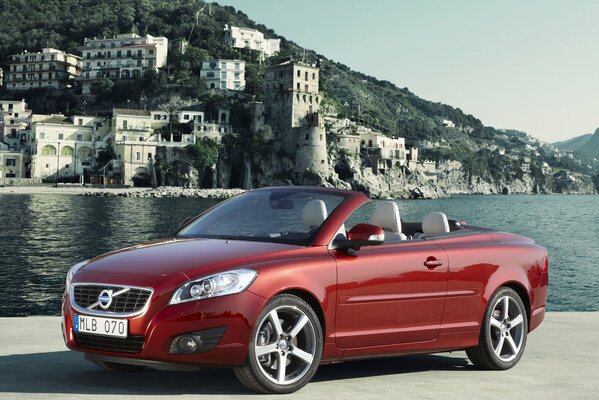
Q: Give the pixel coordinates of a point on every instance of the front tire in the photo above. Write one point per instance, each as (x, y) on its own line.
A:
(503, 333)
(285, 347)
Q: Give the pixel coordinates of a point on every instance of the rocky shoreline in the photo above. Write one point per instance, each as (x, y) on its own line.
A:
(168, 191)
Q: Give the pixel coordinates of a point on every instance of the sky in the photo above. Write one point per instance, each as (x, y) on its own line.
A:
(530, 65)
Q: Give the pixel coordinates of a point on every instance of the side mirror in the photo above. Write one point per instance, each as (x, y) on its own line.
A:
(361, 235)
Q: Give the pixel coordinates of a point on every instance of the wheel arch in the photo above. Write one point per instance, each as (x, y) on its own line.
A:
(312, 302)
(524, 295)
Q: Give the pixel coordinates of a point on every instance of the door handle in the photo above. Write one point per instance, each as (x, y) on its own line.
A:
(432, 262)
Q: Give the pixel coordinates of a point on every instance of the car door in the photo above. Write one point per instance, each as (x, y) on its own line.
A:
(390, 294)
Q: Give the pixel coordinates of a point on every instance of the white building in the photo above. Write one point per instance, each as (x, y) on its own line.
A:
(15, 118)
(223, 74)
(122, 56)
(50, 68)
(137, 134)
(13, 164)
(385, 152)
(68, 145)
(247, 38)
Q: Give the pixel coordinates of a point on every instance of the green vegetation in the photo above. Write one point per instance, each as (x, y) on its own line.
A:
(64, 24)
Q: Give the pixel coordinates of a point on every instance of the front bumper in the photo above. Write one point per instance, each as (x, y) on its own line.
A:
(161, 324)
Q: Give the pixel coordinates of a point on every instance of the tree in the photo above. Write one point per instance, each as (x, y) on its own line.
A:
(102, 88)
(172, 108)
(203, 154)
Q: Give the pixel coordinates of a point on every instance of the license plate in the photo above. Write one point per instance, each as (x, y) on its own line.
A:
(101, 326)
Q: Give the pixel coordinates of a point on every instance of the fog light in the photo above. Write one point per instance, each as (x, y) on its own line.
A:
(187, 344)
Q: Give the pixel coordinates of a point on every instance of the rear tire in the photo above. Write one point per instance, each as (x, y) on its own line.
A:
(116, 367)
(285, 347)
(503, 333)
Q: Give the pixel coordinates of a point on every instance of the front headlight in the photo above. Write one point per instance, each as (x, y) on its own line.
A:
(72, 272)
(229, 282)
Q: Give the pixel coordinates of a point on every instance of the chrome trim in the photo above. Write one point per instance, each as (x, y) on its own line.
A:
(108, 313)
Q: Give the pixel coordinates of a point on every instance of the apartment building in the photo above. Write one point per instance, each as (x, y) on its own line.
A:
(248, 38)
(15, 118)
(123, 56)
(49, 68)
(223, 74)
(68, 145)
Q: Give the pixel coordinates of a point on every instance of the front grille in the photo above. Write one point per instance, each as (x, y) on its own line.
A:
(132, 344)
(129, 301)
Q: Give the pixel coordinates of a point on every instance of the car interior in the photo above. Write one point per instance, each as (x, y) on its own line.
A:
(386, 215)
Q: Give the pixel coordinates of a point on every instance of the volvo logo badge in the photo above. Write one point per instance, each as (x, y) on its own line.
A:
(105, 298)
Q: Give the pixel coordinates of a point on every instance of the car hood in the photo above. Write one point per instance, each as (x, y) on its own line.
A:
(153, 263)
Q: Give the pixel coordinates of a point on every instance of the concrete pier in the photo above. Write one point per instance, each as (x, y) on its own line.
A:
(561, 362)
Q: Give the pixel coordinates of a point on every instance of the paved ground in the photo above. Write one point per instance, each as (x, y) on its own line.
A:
(561, 362)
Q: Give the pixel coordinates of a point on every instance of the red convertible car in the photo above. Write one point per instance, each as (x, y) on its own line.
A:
(277, 281)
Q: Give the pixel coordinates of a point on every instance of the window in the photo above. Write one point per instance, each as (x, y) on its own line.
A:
(141, 138)
(210, 75)
(60, 136)
(149, 156)
(124, 138)
(298, 86)
(151, 52)
(185, 117)
(306, 87)
(80, 137)
(80, 121)
(42, 135)
(11, 162)
(124, 124)
(314, 75)
(118, 53)
(138, 156)
(306, 76)
(307, 136)
(299, 73)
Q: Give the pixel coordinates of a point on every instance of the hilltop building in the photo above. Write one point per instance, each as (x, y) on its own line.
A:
(50, 68)
(122, 56)
(67, 144)
(223, 74)
(291, 104)
(248, 38)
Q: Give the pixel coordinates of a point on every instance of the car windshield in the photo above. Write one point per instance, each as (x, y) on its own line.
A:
(283, 216)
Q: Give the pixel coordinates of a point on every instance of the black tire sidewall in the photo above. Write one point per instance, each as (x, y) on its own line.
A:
(293, 301)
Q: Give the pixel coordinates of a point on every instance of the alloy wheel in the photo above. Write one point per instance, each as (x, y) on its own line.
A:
(286, 345)
(506, 328)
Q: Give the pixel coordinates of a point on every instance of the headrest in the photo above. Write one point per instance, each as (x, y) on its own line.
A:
(435, 223)
(314, 213)
(386, 215)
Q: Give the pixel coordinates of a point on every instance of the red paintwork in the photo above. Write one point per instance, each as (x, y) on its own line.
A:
(382, 300)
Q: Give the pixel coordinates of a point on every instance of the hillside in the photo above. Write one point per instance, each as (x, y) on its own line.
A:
(443, 133)
(575, 143)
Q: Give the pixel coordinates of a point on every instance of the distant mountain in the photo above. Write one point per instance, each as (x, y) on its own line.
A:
(584, 146)
(574, 144)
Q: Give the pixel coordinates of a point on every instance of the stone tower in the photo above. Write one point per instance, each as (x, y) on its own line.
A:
(291, 104)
